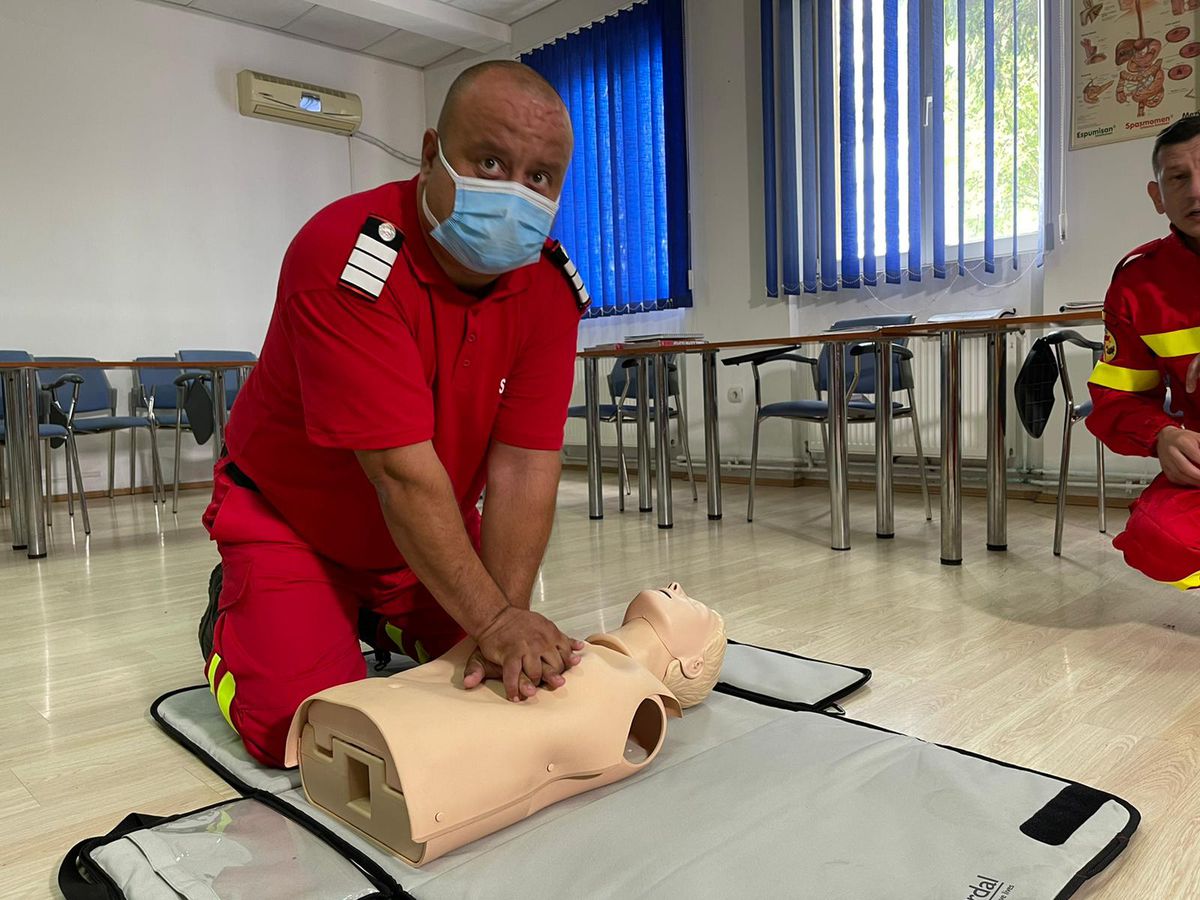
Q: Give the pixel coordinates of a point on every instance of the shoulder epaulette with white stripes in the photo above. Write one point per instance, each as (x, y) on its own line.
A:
(556, 254)
(371, 260)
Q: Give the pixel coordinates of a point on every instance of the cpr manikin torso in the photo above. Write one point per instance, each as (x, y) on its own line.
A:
(422, 766)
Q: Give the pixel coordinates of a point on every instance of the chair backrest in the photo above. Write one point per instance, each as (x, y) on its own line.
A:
(623, 374)
(156, 383)
(10, 356)
(866, 363)
(233, 380)
(95, 394)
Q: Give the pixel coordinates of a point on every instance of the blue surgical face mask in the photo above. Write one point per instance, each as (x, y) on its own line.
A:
(495, 226)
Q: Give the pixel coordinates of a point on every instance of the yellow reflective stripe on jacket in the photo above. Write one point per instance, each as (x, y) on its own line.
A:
(1184, 342)
(212, 671)
(1121, 379)
(422, 655)
(225, 691)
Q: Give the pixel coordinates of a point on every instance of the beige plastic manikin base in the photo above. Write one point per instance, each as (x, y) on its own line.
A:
(422, 766)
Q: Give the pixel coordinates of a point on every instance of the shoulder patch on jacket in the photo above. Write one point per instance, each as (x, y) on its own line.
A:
(371, 260)
(554, 252)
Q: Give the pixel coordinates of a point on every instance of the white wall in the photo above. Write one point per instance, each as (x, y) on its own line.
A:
(1107, 214)
(139, 212)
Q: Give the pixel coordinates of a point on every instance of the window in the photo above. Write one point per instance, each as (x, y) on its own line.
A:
(623, 211)
(898, 133)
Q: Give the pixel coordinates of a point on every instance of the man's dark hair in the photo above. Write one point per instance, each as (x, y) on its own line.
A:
(1179, 133)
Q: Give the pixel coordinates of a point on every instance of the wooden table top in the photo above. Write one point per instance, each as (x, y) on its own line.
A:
(918, 329)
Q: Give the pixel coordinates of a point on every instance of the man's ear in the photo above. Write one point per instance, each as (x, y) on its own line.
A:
(429, 150)
(1155, 193)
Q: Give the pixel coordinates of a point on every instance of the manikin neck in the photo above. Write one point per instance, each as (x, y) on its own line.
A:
(644, 646)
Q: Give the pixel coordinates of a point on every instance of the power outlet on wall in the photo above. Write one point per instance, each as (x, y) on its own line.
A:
(735, 395)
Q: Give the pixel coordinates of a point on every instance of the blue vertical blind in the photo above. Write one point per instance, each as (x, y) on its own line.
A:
(896, 130)
(623, 211)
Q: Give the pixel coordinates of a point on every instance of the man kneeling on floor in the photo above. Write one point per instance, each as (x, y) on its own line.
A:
(1152, 344)
(422, 344)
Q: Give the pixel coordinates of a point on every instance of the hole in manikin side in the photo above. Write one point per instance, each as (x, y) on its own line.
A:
(358, 786)
(645, 732)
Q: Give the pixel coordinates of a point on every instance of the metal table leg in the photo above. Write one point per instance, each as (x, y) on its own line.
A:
(27, 471)
(645, 503)
(839, 495)
(885, 519)
(662, 442)
(591, 382)
(14, 455)
(997, 405)
(712, 434)
(951, 450)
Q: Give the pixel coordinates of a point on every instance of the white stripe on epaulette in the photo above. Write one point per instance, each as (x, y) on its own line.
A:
(365, 281)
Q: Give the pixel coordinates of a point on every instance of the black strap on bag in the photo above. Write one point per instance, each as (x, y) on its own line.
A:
(198, 404)
(1034, 388)
(78, 879)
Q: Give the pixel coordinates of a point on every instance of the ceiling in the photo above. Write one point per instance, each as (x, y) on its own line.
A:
(414, 32)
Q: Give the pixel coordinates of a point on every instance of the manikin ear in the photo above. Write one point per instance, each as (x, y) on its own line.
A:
(1155, 193)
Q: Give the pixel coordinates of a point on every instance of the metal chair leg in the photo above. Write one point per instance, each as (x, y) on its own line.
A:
(753, 471)
(622, 475)
(916, 424)
(3, 453)
(155, 465)
(1100, 488)
(112, 464)
(49, 497)
(132, 461)
(70, 481)
(681, 432)
(74, 461)
(175, 498)
(1063, 466)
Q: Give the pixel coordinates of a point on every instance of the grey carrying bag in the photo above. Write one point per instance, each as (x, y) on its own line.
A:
(757, 792)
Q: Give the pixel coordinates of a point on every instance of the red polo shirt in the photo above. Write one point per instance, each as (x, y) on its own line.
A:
(372, 346)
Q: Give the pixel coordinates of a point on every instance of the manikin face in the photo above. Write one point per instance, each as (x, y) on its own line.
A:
(1176, 192)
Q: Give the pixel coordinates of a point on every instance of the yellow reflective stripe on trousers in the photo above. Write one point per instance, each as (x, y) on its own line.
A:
(225, 691)
(422, 655)
(1121, 379)
(212, 671)
(1184, 342)
(395, 634)
(1186, 584)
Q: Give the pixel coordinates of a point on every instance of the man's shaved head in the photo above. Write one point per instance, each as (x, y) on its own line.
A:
(515, 75)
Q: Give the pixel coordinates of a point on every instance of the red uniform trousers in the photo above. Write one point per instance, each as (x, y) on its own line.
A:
(1162, 537)
(288, 618)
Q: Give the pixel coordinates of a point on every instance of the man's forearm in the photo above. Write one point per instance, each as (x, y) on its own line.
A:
(518, 517)
(426, 524)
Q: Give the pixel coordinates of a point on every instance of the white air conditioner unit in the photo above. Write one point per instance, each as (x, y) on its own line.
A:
(282, 100)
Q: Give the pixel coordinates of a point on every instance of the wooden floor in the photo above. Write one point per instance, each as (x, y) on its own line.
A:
(1075, 666)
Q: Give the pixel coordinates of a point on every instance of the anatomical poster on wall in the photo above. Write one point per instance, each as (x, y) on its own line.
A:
(1137, 68)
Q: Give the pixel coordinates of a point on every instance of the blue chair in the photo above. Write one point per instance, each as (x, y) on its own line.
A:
(48, 432)
(239, 360)
(623, 391)
(860, 385)
(158, 393)
(93, 410)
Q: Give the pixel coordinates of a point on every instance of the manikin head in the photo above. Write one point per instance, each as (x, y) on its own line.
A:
(1175, 189)
(679, 639)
